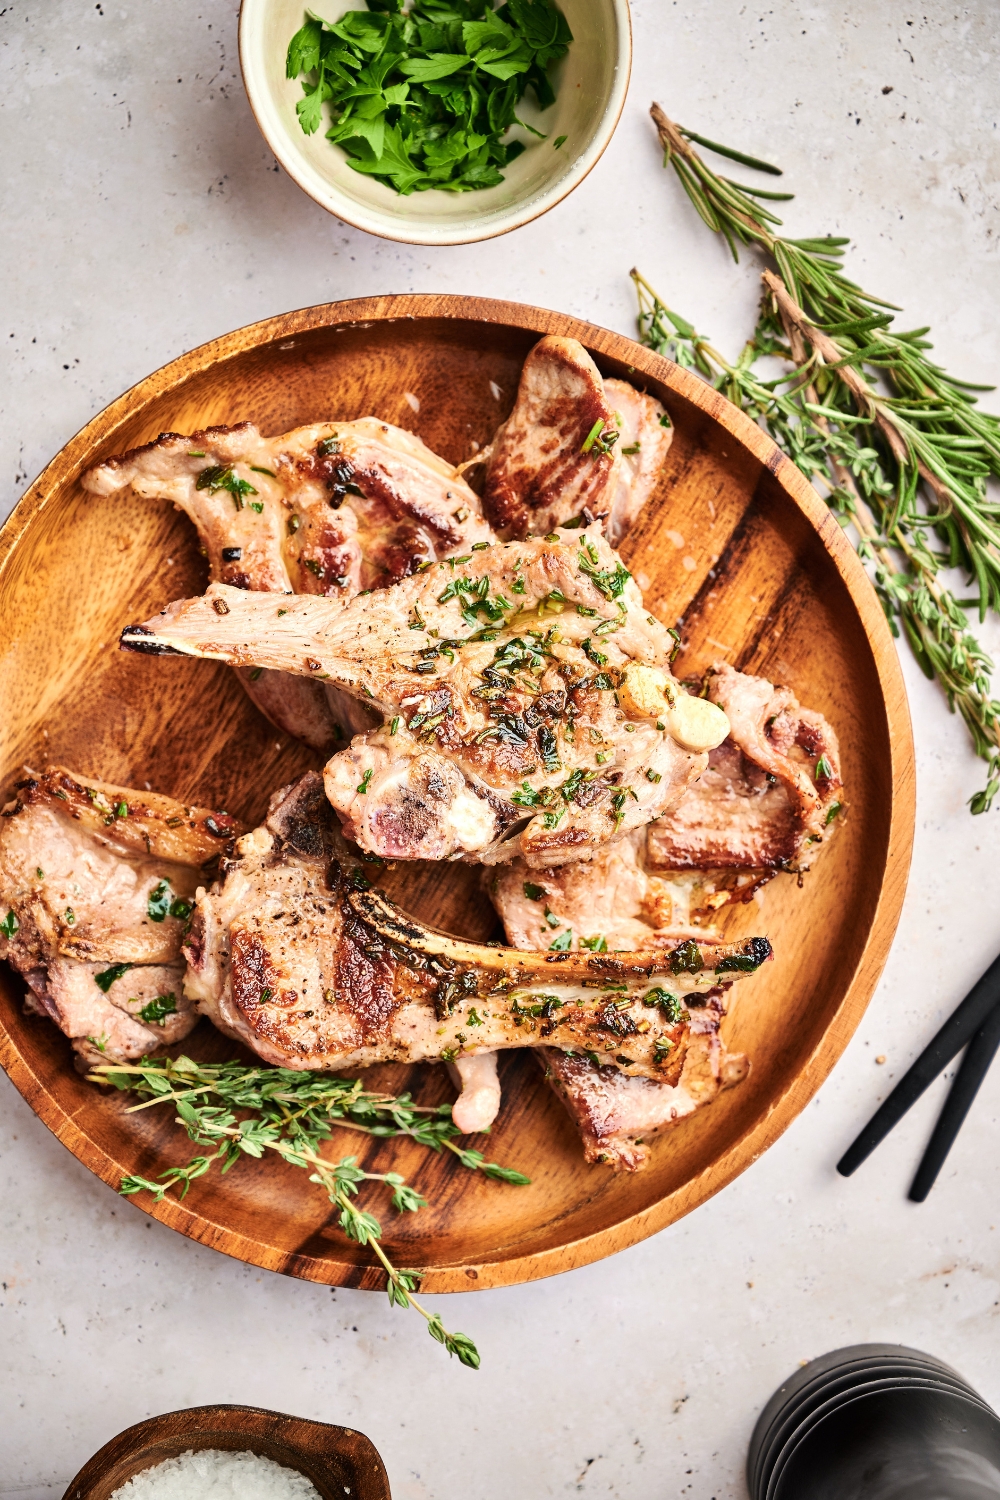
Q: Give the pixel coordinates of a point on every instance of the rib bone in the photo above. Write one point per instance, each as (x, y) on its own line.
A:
(290, 956)
(549, 728)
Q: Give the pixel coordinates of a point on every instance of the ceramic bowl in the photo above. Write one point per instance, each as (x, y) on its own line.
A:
(590, 83)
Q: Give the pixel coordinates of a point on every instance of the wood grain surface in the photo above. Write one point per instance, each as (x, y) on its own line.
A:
(735, 545)
(338, 1460)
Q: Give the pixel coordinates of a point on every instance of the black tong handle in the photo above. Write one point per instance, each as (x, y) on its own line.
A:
(959, 1029)
(975, 1066)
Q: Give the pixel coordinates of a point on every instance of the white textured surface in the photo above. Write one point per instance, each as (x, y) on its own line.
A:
(143, 215)
(211, 1474)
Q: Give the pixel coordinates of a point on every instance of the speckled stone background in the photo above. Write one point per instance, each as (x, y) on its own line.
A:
(143, 214)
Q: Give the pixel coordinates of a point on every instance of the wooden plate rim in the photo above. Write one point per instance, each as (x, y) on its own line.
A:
(78, 453)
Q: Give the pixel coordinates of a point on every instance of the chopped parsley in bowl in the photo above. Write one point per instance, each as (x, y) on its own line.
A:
(424, 98)
(444, 122)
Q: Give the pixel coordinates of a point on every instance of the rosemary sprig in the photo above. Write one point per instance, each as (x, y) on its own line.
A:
(897, 447)
(244, 1111)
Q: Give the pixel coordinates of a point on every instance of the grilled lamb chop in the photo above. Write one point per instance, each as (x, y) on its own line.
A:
(95, 884)
(770, 793)
(616, 1116)
(763, 804)
(573, 444)
(328, 509)
(530, 704)
(292, 955)
(611, 903)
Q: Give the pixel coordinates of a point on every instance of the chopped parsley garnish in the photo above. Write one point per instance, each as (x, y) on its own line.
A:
(601, 437)
(824, 770)
(686, 958)
(610, 581)
(596, 944)
(70, 915)
(834, 809)
(423, 98)
(672, 1008)
(107, 977)
(560, 140)
(548, 748)
(9, 925)
(157, 1010)
(619, 800)
(365, 782)
(591, 652)
(223, 477)
(158, 905)
(256, 469)
(533, 892)
(563, 942)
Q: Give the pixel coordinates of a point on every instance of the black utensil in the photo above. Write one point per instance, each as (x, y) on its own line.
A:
(959, 1029)
(975, 1065)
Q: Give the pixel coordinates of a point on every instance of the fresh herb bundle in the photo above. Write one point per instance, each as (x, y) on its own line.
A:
(245, 1111)
(422, 99)
(896, 447)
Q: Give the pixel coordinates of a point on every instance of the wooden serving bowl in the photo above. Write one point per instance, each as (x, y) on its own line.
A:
(338, 1460)
(735, 545)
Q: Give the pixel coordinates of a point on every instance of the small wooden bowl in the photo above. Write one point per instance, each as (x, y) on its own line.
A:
(339, 1461)
(734, 544)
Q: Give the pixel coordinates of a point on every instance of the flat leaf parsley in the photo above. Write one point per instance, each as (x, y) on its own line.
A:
(422, 99)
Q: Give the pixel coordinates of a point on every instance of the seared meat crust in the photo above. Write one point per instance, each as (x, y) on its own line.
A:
(617, 1116)
(95, 883)
(770, 794)
(327, 509)
(547, 465)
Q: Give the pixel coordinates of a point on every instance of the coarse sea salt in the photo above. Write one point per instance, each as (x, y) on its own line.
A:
(213, 1474)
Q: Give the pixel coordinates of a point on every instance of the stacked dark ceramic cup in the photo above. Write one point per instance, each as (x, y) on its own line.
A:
(875, 1422)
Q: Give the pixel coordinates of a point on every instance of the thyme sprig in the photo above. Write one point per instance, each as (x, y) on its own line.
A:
(896, 446)
(245, 1111)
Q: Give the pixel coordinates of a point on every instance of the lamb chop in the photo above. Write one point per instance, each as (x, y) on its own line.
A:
(293, 954)
(731, 831)
(96, 882)
(611, 903)
(327, 509)
(529, 700)
(574, 445)
(770, 794)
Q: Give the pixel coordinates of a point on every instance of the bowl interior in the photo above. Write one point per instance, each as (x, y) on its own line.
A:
(723, 548)
(590, 85)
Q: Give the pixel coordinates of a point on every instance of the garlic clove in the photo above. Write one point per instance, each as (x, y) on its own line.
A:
(696, 724)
